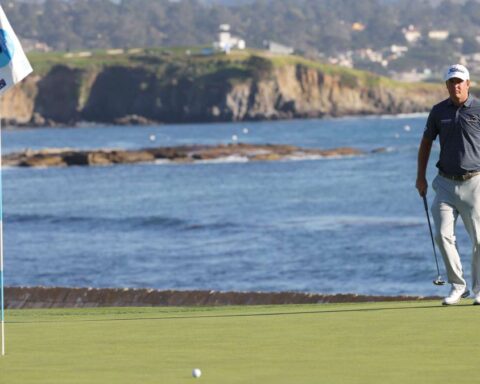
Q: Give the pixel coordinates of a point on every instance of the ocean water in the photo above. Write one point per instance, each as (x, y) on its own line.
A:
(340, 225)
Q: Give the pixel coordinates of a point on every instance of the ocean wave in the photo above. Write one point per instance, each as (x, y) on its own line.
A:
(308, 157)
(334, 222)
(244, 159)
(98, 221)
(163, 161)
(391, 149)
(405, 115)
(225, 159)
(153, 222)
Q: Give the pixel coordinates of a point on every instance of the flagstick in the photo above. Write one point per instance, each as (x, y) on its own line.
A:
(1, 248)
(17, 69)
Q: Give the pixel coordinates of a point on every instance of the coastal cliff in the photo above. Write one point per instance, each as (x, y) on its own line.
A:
(158, 88)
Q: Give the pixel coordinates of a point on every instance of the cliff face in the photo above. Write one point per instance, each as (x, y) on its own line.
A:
(18, 104)
(119, 94)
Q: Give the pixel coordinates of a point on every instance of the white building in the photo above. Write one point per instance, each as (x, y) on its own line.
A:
(277, 48)
(412, 76)
(438, 34)
(32, 45)
(343, 60)
(368, 54)
(226, 42)
(411, 34)
(398, 49)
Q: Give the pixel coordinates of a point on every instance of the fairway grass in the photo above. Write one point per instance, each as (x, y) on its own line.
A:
(395, 342)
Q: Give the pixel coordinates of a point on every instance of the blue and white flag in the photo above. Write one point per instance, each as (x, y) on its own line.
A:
(14, 65)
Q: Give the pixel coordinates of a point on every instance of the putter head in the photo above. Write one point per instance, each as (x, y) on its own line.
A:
(439, 281)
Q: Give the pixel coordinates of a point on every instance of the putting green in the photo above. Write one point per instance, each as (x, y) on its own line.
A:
(396, 342)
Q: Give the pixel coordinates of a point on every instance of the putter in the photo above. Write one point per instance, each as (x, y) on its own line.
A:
(438, 280)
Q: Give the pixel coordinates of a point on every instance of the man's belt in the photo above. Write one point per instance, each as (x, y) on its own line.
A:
(464, 177)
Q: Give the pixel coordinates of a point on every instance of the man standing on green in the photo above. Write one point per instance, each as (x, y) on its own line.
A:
(456, 121)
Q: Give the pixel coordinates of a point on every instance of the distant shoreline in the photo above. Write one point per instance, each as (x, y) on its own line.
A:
(12, 125)
(64, 297)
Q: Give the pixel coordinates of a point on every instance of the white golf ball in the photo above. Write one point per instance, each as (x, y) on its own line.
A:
(196, 373)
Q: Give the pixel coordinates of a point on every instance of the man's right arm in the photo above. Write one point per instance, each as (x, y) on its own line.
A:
(423, 156)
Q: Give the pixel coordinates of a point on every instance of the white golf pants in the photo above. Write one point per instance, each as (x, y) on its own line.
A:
(455, 198)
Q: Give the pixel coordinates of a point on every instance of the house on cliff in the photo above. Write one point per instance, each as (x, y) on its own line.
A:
(226, 41)
(277, 48)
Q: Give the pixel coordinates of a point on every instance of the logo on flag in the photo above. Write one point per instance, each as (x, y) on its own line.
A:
(14, 65)
(7, 48)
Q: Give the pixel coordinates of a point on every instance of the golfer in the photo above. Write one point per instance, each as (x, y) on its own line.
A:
(456, 121)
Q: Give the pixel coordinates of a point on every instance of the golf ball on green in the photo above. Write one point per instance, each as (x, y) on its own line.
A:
(196, 372)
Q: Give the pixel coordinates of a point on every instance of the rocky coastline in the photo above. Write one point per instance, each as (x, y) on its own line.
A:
(63, 157)
(63, 297)
(154, 90)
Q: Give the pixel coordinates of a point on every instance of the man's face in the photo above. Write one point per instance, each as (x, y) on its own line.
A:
(458, 89)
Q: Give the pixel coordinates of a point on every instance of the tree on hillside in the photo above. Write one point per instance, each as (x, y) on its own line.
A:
(308, 25)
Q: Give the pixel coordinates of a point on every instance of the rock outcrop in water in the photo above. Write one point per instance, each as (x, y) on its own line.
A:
(153, 89)
(180, 154)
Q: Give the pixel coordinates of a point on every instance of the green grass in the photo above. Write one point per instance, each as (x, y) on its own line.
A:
(397, 342)
(164, 60)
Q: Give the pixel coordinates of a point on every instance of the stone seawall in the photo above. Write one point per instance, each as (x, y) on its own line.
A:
(61, 297)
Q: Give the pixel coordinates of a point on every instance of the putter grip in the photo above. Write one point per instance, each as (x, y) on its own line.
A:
(425, 202)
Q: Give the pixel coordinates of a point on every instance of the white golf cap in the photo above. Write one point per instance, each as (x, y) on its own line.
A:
(458, 71)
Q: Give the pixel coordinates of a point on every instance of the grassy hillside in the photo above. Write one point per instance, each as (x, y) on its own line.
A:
(191, 61)
(368, 343)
